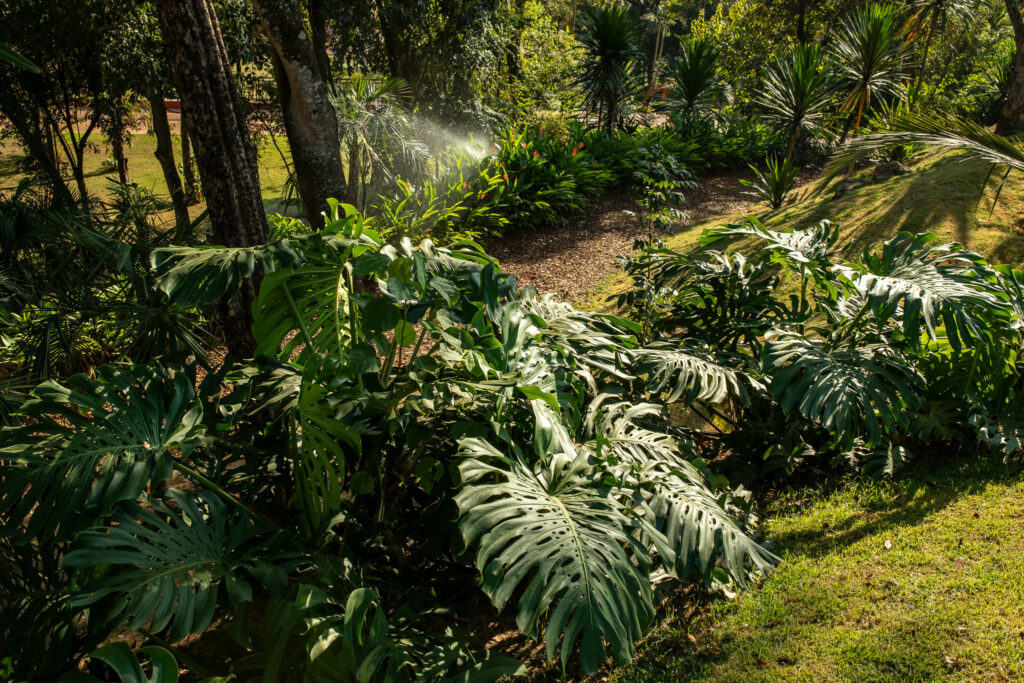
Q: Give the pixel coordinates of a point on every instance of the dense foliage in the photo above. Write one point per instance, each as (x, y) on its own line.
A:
(268, 449)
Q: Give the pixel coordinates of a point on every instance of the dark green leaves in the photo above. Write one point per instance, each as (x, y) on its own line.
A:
(167, 564)
(850, 391)
(95, 442)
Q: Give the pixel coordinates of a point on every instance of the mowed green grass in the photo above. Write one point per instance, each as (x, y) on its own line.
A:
(943, 194)
(921, 579)
(144, 170)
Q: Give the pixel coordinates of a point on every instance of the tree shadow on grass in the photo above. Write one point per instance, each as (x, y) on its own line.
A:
(920, 492)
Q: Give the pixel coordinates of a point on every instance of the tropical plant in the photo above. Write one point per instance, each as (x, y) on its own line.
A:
(796, 93)
(861, 367)
(868, 56)
(696, 82)
(775, 183)
(610, 63)
(301, 495)
(377, 131)
(937, 14)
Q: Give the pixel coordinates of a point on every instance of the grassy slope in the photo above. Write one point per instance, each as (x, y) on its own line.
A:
(941, 195)
(144, 169)
(943, 603)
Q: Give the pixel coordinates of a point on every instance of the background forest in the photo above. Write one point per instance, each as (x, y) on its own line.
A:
(271, 410)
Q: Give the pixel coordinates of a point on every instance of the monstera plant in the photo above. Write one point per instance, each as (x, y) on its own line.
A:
(411, 418)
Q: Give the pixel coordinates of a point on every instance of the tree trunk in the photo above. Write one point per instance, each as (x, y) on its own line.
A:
(318, 18)
(309, 117)
(37, 139)
(117, 151)
(1013, 110)
(165, 155)
(188, 167)
(224, 152)
(354, 174)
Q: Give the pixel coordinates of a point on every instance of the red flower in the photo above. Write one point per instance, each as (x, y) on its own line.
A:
(534, 154)
(483, 195)
(506, 177)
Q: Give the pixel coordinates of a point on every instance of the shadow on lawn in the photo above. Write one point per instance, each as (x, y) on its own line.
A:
(923, 490)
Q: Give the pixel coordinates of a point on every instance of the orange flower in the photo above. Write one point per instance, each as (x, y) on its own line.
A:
(506, 177)
(483, 195)
(574, 152)
(464, 185)
(534, 154)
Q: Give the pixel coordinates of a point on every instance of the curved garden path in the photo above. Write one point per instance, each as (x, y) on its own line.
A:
(571, 261)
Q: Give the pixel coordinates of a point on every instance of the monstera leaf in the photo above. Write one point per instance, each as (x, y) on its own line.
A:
(690, 373)
(205, 275)
(559, 542)
(684, 519)
(92, 443)
(809, 248)
(851, 391)
(932, 284)
(166, 565)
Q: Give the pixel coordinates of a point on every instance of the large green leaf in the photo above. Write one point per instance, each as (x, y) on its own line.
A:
(92, 443)
(686, 522)
(852, 391)
(804, 250)
(691, 373)
(560, 542)
(933, 283)
(204, 275)
(166, 565)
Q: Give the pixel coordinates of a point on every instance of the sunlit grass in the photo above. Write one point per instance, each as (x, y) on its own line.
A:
(915, 580)
(144, 170)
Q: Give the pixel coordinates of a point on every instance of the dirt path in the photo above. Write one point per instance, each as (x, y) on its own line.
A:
(575, 258)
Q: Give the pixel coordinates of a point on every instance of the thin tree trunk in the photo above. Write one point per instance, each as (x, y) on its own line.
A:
(117, 151)
(165, 155)
(354, 174)
(309, 117)
(188, 167)
(1013, 109)
(224, 151)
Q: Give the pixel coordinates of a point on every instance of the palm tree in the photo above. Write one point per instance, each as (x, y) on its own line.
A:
(609, 41)
(376, 129)
(868, 56)
(938, 13)
(697, 82)
(797, 91)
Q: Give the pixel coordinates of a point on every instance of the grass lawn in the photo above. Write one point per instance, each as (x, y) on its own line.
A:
(941, 195)
(144, 169)
(921, 579)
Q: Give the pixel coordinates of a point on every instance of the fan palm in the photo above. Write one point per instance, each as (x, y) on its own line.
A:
(611, 53)
(697, 84)
(796, 92)
(375, 125)
(868, 56)
(939, 131)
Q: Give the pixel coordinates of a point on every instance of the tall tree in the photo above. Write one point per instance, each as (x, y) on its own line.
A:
(1013, 109)
(224, 151)
(309, 118)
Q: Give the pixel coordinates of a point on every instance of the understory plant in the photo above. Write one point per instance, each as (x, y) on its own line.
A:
(410, 420)
(911, 348)
(774, 184)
